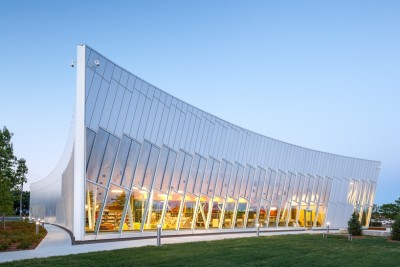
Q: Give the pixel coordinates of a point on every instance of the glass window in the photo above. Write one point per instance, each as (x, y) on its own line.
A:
(90, 137)
(109, 71)
(108, 160)
(151, 168)
(214, 176)
(123, 113)
(131, 112)
(216, 212)
(114, 209)
(98, 109)
(241, 213)
(252, 216)
(249, 181)
(151, 119)
(138, 115)
(92, 97)
(162, 163)
(178, 170)
(188, 211)
(185, 173)
(193, 173)
(136, 210)
(96, 156)
(238, 180)
(155, 210)
(94, 200)
(226, 179)
(221, 176)
(207, 177)
(200, 175)
(143, 120)
(172, 211)
(124, 78)
(131, 163)
(169, 169)
(229, 213)
(202, 212)
(131, 83)
(259, 183)
(88, 81)
(107, 106)
(116, 108)
(120, 162)
(142, 164)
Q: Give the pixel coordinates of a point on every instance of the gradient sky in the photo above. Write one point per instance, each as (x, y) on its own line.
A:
(320, 74)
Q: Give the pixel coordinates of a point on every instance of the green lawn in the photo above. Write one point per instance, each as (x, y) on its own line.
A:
(288, 250)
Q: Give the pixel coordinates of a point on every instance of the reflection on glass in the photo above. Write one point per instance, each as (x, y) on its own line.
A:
(216, 213)
(320, 220)
(136, 208)
(94, 201)
(172, 211)
(262, 217)
(113, 210)
(283, 214)
(229, 213)
(156, 208)
(241, 213)
(202, 212)
(273, 211)
(189, 206)
(252, 216)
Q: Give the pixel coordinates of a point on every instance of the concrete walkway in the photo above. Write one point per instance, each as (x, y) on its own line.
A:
(58, 243)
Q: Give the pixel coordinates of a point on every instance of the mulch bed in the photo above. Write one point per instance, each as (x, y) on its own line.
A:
(20, 236)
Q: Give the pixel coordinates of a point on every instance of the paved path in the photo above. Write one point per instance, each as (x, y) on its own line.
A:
(58, 243)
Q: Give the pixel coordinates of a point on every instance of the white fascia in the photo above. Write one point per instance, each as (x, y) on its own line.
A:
(79, 147)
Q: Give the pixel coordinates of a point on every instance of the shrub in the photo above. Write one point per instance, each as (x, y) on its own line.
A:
(24, 245)
(354, 225)
(396, 228)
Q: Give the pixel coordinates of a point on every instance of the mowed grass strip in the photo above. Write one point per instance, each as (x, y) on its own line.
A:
(288, 250)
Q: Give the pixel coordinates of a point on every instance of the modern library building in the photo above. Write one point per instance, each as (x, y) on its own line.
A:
(138, 158)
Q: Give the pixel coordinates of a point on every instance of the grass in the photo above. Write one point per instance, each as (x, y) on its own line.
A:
(288, 250)
(19, 236)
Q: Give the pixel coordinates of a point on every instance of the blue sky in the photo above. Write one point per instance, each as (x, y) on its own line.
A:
(320, 74)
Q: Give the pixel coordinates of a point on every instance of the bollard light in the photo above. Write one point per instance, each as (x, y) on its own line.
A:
(327, 227)
(258, 229)
(158, 235)
(37, 227)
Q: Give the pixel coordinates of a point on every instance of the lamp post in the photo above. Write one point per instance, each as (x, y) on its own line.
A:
(37, 227)
(158, 235)
(258, 229)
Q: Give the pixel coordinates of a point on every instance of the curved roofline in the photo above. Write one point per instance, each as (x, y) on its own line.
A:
(242, 128)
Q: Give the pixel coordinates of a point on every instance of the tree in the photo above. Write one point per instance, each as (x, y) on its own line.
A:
(390, 210)
(354, 225)
(396, 228)
(20, 176)
(12, 171)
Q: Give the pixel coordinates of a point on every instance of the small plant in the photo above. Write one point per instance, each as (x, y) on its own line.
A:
(396, 228)
(24, 245)
(354, 225)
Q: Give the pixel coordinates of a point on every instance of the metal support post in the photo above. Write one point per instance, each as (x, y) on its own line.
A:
(158, 235)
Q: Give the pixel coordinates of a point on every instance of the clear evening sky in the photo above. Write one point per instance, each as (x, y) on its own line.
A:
(320, 74)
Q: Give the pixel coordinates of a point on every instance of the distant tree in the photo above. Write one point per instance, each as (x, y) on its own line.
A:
(354, 225)
(396, 228)
(390, 210)
(20, 176)
(7, 177)
(375, 212)
(25, 200)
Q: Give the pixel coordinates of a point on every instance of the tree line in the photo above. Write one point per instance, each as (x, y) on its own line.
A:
(13, 172)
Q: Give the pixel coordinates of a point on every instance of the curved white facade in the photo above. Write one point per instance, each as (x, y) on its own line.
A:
(139, 157)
